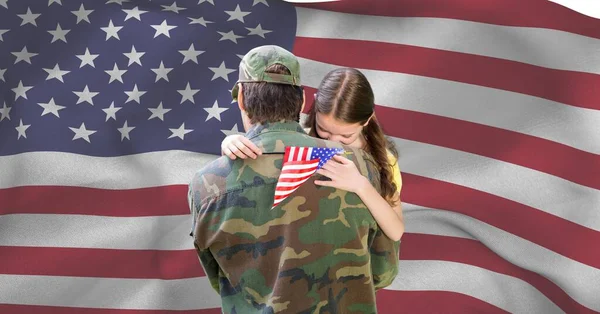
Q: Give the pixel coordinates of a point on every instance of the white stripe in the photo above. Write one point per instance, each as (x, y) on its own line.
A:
(506, 292)
(537, 189)
(147, 294)
(292, 153)
(538, 46)
(81, 231)
(305, 174)
(578, 280)
(302, 167)
(572, 126)
(127, 172)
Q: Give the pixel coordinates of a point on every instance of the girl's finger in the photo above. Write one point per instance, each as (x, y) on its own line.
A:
(245, 150)
(251, 146)
(227, 152)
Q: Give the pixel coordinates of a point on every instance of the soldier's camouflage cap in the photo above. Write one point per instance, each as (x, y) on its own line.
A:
(257, 60)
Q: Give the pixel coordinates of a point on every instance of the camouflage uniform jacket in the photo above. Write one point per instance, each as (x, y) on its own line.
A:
(319, 251)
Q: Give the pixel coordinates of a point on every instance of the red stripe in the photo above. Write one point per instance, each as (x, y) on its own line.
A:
(305, 154)
(509, 146)
(394, 302)
(155, 201)
(559, 235)
(448, 65)
(295, 156)
(530, 13)
(39, 309)
(432, 247)
(513, 147)
(105, 263)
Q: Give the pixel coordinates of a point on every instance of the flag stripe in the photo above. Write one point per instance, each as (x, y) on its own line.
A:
(572, 126)
(507, 292)
(502, 179)
(154, 201)
(108, 293)
(80, 262)
(125, 172)
(501, 212)
(508, 75)
(507, 12)
(576, 279)
(431, 247)
(503, 42)
(431, 302)
(81, 231)
(494, 143)
(39, 309)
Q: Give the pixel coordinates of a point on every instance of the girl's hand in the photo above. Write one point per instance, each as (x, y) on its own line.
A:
(237, 145)
(343, 174)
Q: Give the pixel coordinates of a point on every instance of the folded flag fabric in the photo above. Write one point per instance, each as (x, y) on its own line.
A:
(299, 163)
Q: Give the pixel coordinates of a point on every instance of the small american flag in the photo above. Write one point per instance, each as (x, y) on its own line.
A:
(299, 163)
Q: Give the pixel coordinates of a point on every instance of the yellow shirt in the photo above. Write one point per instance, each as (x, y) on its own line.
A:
(397, 178)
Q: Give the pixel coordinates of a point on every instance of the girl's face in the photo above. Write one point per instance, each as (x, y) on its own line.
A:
(330, 128)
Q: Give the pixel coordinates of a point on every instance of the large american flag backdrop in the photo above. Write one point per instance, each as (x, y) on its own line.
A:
(109, 107)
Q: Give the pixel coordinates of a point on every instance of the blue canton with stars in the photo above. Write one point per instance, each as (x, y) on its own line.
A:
(118, 77)
(324, 154)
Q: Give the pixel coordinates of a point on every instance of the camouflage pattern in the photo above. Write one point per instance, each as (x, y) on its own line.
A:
(319, 251)
(257, 60)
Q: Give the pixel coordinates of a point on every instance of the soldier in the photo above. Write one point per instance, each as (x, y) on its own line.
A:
(318, 251)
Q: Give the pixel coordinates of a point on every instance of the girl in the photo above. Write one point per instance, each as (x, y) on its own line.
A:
(343, 111)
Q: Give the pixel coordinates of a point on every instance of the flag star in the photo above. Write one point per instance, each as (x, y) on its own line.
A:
(5, 112)
(115, 74)
(82, 14)
(209, 1)
(82, 133)
(21, 91)
(59, 34)
(258, 30)
(21, 129)
(215, 111)
(50, 2)
(87, 58)
(234, 130)
(24, 55)
(240, 56)
(237, 14)
(188, 94)
(3, 3)
(191, 54)
(179, 132)
(51, 107)
(134, 56)
(163, 29)
(229, 36)
(260, 1)
(158, 112)
(199, 20)
(173, 7)
(125, 131)
(2, 71)
(111, 30)
(85, 96)
(135, 13)
(120, 2)
(111, 112)
(135, 94)
(56, 73)
(221, 72)
(2, 32)
(162, 72)
(28, 18)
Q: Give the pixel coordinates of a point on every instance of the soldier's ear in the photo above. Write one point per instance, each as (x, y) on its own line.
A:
(303, 100)
(240, 97)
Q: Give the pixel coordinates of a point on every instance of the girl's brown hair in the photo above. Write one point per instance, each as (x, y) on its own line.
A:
(347, 94)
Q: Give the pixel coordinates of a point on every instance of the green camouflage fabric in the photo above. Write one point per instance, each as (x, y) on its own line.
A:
(319, 251)
(257, 60)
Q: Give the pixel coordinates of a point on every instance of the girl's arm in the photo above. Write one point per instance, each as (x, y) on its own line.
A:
(344, 175)
(237, 145)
